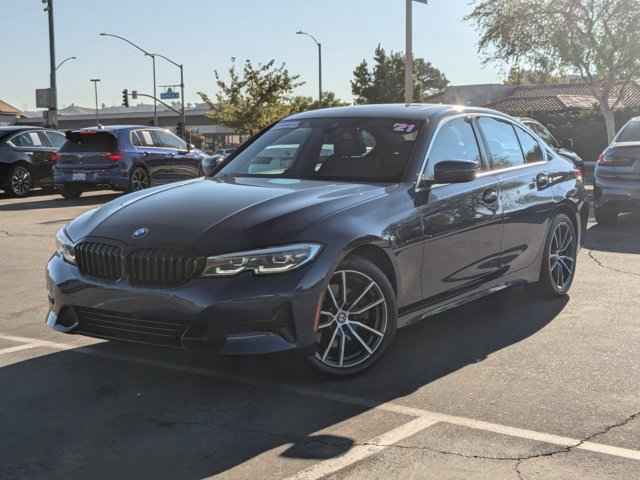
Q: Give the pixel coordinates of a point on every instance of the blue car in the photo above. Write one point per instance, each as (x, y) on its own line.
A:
(126, 158)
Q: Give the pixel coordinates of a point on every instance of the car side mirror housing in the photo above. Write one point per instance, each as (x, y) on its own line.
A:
(455, 171)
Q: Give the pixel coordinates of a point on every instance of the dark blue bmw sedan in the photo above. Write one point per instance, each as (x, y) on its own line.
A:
(126, 158)
(326, 233)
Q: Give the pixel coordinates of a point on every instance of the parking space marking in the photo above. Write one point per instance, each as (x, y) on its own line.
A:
(349, 400)
(360, 452)
(18, 348)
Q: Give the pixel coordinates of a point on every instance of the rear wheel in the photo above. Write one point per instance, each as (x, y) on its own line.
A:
(357, 319)
(70, 191)
(606, 215)
(20, 181)
(559, 259)
(139, 179)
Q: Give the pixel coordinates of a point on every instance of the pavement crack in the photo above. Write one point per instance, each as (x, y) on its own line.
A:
(601, 264)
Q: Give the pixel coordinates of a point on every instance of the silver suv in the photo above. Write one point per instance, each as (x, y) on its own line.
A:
(617, 175)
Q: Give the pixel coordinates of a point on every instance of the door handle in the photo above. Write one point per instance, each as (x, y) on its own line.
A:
(490, 196)
(542, 180)
(145, 154)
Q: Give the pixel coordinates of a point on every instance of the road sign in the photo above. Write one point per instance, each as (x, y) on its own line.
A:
(43, 98)
(169, 94)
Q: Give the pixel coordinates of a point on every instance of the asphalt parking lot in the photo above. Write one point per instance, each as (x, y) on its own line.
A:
(511, 387)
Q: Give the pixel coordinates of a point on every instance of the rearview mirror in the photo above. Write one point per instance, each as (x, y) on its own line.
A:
(455, 171)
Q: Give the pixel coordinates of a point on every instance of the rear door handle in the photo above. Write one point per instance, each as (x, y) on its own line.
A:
(490, 196)
(542, 180)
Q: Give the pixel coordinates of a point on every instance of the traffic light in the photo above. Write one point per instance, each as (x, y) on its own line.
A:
(125, 98)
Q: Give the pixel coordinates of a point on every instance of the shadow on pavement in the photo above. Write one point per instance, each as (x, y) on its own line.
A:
(72, 415)
(56, 202)
(620, 238)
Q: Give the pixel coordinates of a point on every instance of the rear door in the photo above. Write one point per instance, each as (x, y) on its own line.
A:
(462, 222)
(527, 195)
(150, 154)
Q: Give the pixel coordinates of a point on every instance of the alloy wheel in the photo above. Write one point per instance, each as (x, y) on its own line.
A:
(139, 179)
(354, 320)
(21, 181)
(562, 252)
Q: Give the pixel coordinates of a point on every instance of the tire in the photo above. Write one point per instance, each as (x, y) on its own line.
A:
(70, 191)
(139, 179)
(606, 215)
(344, 332)
(20, 181)
(559, 258)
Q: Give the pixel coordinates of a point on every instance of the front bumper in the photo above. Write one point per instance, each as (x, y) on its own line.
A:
(239, 315)
(623, 194)
(110, 177)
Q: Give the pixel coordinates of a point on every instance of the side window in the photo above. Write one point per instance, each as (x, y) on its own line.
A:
(144, 139)
(530, 147)
(28, 139)
(165, 139)
(455, 141)
(43, 139)
(504, 147)
(56, 139)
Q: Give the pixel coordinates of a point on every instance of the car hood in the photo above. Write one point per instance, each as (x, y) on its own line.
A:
(220, 215)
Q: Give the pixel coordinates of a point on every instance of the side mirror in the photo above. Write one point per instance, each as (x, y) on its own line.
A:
(455, 171)
(569, 144)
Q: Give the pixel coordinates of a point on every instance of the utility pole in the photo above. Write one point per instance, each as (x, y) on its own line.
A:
(95, 87)
(52, 120)
(408, 54)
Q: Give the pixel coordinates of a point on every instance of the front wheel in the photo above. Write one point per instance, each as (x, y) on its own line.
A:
(559, 259)
(358, 319)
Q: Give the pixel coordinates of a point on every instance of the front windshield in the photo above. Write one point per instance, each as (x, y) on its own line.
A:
(342, 149)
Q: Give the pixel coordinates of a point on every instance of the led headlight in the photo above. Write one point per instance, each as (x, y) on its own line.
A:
(65, 247)
(262, 262)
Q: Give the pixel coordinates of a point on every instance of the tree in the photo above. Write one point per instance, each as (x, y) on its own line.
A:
(598, 40)
(254, 98)
(384, 83)
(302, 104)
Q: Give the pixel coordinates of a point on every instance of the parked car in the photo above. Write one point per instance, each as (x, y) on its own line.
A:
(225, 152)
(418, 209)
(126, 158)
(564, 150)
(617, 176)
(27, 157)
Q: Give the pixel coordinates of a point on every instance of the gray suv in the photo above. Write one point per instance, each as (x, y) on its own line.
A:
(617, 175)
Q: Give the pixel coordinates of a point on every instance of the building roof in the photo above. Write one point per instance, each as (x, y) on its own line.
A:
(5, 108)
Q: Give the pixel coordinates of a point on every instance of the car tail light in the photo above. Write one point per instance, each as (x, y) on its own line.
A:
(114, 156)
(54, 157)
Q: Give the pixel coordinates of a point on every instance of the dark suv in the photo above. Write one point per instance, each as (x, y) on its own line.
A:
(26, 158)
(617, 176)
(126, 158)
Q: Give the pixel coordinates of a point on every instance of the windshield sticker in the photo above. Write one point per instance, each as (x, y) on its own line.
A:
(404, 127)
(287, 124)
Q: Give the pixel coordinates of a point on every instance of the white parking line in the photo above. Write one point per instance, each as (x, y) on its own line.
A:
(360, 452)
(349, 400)
(18, 348)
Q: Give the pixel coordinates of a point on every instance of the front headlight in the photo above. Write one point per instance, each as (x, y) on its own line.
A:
(262, 262)
(65, 247)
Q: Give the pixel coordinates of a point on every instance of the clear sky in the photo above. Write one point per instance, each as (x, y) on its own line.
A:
(205, 34)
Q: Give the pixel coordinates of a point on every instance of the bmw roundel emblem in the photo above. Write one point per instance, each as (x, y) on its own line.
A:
(140, 233)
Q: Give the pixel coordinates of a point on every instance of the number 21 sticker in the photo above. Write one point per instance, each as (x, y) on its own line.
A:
(404, 127)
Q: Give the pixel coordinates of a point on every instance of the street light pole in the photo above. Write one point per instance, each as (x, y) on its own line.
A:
(153, 58)
(300, 32)
(95, 87)
(52, 120)
(181, 67)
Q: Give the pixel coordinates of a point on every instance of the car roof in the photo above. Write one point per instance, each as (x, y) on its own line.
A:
(18, 128)
(113, 128)
(404, 111)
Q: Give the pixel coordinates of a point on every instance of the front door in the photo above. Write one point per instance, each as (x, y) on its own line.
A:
(462, 223)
